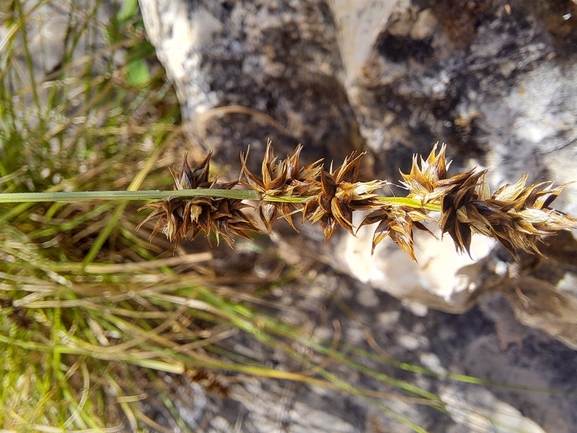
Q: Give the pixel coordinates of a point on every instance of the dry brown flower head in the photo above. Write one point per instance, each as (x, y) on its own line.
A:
(283, 178)
(341, 194)
(425, 182)
(398, 223)
(515, 215)
(185, 218)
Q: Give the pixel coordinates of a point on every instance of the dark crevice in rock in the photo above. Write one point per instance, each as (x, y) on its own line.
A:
(402, 48)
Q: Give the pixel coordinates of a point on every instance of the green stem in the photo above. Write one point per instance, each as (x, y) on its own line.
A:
(410, 202)
(239, 194)
(124, 195)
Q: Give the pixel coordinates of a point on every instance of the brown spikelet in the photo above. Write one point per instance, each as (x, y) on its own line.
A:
(180, 218)
(340, 196)
(424, 181)
(464, 189)
(193, 178)
(281, 178)
(397, 223)
(170, 218)
(515, 215)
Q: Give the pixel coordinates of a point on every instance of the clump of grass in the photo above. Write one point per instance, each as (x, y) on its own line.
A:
(93, 317)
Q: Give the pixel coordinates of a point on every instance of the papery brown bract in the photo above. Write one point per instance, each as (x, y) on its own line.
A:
(397, 223)
(515, 215)
(170, 218)
(281, 178)
(464, 189)
(185, 218)
(424, 182)
(193, 178)
(340, 196)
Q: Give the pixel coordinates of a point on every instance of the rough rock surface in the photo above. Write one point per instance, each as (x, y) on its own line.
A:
(527, 377)
(493, 79)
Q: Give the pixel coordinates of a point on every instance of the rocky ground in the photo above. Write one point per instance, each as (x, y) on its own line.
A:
(486, 342)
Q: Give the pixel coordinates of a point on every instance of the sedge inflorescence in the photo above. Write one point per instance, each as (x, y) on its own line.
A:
(516, 215)
(184, 218)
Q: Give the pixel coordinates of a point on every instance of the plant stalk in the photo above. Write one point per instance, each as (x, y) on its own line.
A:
(239, 194)
(37, 197)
